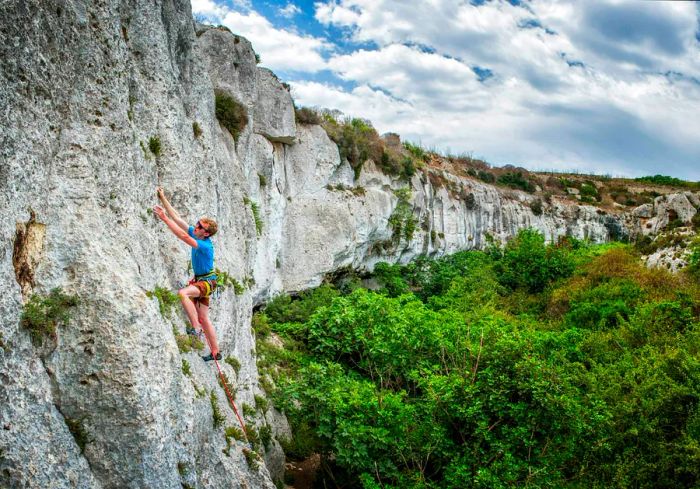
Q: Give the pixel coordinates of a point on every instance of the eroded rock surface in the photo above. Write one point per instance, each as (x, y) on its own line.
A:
(87, 89)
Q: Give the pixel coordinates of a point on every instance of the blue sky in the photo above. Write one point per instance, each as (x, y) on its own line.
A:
(607, 86)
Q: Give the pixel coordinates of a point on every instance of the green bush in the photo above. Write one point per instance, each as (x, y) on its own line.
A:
(154, 145)
(516, 180)
(536, 207)
(77, 429)
(230, 113)
(43, 314)
(196, 129)
(305, 115)
(187, 343)
(186, 368)
(357, 141)
(285, 309)
(255, 209)
(486, 176)
(666, 180)
(217, 417)
(695, 221)
(167, 299)
(585, 375)
(248, 410)
(234, 363)
(416, 151)
(224, 280)
(528, 263)
(401, 221)
(260, 403)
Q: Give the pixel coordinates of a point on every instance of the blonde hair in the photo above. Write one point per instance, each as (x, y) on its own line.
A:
(211, 226)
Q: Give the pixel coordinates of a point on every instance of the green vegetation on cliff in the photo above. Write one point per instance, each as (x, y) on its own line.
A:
(561, 365)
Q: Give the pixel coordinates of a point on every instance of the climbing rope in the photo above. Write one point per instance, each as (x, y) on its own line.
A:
(228, 394)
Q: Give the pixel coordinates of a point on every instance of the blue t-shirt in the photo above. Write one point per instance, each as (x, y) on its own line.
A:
(203, 255)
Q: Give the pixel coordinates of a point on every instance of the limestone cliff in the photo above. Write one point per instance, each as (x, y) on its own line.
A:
(104, 101)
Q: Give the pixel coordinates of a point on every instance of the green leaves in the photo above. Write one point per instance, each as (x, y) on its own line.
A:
(536, 365)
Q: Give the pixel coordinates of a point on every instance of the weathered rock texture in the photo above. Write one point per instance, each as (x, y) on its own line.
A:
(84, 88)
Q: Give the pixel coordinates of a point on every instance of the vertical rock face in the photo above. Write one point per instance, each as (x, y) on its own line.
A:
(100, 100)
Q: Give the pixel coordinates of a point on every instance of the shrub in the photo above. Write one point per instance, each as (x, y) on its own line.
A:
(695, 221)
(694, 258)
(589, 192)
(262, 179)
(230, 113)
(224, 280)
(260, 403)
(486, 176)
(187, 343)
(357, 141)
(416, 151)
(283, 309)
(304, 115)
(217, 417)
(77, 429)
(196, 129)
(248, 410)
(256, 215)
(234, 363)
(154, 145)
(401, 221)
(470, 201)
(251, 457)
(226, 384)
(43, 314)
(536, 207)
(186, 367)
(528, 263)
(516, 180)
(266, 436)
(666, 180)
(166, 299)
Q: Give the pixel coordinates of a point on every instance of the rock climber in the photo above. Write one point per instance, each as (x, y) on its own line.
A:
(195, 296)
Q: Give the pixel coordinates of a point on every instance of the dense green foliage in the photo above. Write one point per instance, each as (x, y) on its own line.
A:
(231, 114)
(358, 141)
(666, 180)
(516, 180)
(44, 313)
(536, 365)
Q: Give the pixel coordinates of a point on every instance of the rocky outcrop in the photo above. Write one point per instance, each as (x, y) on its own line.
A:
(100, 101)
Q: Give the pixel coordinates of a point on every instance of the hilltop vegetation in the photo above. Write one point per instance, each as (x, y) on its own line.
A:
(562, 365)
(358, 141)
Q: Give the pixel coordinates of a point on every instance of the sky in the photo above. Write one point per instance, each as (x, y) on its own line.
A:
(607, 86)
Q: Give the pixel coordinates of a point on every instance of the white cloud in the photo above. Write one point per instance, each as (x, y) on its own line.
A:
(279, 49)
(208, 8)
(579, 68)
(289, 11)
(573, 85)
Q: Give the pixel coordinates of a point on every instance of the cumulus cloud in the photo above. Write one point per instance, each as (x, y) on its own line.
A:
(279, 49)
(611, 86)
(289, 11)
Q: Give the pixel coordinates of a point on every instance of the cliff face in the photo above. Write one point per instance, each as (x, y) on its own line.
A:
(89, 90)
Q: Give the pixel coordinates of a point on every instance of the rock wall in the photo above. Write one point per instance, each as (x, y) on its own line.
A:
(88, 90)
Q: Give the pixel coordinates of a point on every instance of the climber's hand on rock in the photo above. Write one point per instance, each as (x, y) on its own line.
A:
(159, 211)
(161, 193)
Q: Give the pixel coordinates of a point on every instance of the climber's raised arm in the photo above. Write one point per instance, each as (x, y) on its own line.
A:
(171, 212)
(174, 227)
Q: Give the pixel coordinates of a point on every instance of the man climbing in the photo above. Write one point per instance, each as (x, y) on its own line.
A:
(195, 297)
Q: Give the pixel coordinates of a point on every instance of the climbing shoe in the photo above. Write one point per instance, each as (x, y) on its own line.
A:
(211, 357)
(193, 332)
